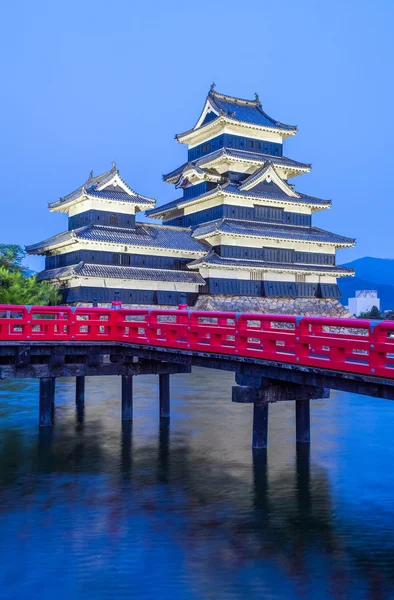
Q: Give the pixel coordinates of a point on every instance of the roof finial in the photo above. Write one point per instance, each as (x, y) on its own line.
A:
(256, 97)
(113, 164)
(213, 85)
(91, 175)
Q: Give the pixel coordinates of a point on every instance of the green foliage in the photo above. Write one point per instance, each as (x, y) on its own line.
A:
(11, 257)
(374, 313)
(16, 288)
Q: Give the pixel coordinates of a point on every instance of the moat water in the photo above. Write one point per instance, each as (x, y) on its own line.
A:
(95, 511)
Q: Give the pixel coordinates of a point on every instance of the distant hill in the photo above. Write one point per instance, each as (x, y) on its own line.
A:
(371, 274)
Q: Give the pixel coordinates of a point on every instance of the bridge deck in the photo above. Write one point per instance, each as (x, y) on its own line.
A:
(72, 359)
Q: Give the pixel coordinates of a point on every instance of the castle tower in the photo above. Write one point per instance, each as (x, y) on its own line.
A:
(238, 197)
(104, 249)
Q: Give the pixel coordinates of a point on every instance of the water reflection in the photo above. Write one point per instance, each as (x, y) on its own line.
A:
(185, 509)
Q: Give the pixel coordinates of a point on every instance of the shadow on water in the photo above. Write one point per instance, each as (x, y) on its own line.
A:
(181, 523)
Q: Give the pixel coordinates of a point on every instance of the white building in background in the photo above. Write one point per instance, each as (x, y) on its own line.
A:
(364, 301)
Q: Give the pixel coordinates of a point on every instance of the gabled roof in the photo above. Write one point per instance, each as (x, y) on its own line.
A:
(256, 158)
(266, 173)
(144, 234)
(238, 110)
(249, 111)
(194, 172)
(108, 185)
(213, 259)
(270, 230)
(83, 269)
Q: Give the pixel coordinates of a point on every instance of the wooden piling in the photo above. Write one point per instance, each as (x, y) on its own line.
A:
(260, 425)
(127, 397)
(303, 424)
(47, 400)
(80, 390)
(164, 393)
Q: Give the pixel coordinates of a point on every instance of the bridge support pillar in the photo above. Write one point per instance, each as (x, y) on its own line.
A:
(260, 425)
(127, 397)
(47, 401)
(261, 391)
(80, 390)
(164, 394)
(303, 421)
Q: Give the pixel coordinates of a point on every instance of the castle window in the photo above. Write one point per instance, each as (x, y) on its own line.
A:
(116, 259)
(250, 144)
(126, 259)
(113, 220)
(300, 278)
(257, 276)
(257, 145)
(233, 176)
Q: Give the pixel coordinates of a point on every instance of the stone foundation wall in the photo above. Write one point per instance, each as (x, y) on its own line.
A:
(316, 307)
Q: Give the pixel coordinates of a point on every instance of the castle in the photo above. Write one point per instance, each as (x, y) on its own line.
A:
(239, 237)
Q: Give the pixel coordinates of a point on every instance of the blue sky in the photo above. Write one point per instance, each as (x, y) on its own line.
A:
(88, 82)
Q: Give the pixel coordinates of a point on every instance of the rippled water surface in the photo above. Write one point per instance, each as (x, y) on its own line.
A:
(95, 511)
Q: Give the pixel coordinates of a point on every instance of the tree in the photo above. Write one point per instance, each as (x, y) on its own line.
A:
(374, 313)
(16, 288)
(11, 257)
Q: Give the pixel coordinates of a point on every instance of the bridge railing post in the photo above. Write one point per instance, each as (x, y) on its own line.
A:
(301, 342)
(49, 323)
(241, 333)
(13, 323)
(381, 350)
(335, 343)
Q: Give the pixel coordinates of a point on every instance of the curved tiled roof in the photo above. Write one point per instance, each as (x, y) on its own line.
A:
(232, 188)
(119, 272)
(248, 111)
(241, 110)
(256, 157)
(123, 196)
(214, 259)
(91, 185)
(256, 228)
(167, 206)
(253, 156)
(144, 234)
(54, 240)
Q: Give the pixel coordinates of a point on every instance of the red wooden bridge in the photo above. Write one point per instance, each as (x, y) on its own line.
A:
(275, 357)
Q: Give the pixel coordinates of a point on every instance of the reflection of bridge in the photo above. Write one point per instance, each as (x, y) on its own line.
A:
(274, 357)
(284, 516)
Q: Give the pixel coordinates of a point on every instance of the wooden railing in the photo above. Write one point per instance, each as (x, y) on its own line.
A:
(351, 345)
